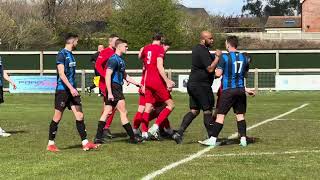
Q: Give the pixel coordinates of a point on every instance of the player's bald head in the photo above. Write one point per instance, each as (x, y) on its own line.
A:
(205, 35)
(206, 38)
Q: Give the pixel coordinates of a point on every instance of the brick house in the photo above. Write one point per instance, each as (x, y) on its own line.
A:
(310, 15)
(283, 24)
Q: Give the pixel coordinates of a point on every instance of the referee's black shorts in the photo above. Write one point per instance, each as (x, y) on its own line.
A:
(117, 93)
(232, 98)
(1, 95)
(200, 97)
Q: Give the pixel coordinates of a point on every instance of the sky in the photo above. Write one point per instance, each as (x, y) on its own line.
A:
(221, 7)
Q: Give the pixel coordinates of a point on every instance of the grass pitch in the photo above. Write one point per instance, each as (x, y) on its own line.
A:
(286, 148)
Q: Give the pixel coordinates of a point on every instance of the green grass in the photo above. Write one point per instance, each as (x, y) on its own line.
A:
(23, 155)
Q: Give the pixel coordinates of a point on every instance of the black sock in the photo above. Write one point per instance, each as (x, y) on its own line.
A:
(129, 130)
(217, 127)
(101, 125)
(81, 129)
(53, 128)
(208, 123)
(242, 128)
(187, 119)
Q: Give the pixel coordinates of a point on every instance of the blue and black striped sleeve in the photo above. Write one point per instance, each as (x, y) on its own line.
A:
(112, 64)
(222, 63)
(60, 59)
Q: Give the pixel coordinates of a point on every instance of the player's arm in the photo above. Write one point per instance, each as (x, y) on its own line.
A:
(220, 67)
(7, 78)
(215, 62)
(247, 67)
(109, 72)
(65, 80)
(131, 80)
(170, 84)
(111, 67)
(140, 53)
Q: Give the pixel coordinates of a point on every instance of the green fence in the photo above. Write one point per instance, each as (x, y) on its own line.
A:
(174, 60)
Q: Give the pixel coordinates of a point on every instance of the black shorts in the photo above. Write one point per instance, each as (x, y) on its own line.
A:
(117, 93)
(201, 97)
(1, 95)
(65, 99)
(232, 98)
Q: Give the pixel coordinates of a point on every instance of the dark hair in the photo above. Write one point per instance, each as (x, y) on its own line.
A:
(233, 41)
(113, 36)
(158, 36)
(120, 41)
(69, 36)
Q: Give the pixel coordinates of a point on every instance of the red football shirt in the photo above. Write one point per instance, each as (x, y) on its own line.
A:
(101, 67)
(150, 54)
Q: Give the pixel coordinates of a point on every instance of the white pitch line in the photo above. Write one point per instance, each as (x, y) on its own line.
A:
(297, 119)
(200, 153)
(263, 153)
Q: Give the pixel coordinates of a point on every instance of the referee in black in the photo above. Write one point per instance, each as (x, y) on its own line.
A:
(199, 85)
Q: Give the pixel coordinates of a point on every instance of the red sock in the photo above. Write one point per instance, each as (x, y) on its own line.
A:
(110, 119)
(137, 120)
(163, 116)
(145, 122)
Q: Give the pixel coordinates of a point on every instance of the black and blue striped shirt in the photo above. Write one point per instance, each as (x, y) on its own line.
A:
(234, 65)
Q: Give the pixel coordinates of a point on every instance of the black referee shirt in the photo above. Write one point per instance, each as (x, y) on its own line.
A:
(201, 59)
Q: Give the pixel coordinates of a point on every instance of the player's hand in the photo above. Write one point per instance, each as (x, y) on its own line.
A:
(14, 86)
(143, 89)
(170, 84)
(110, 97)
(218, 52)
(251, 92)
(74, 92)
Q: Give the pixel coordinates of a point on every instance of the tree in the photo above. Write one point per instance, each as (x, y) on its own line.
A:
(8, 30)
(278, 8)
(34, 34)
(138, 20)
(253, 7)
(272, 7)
(49, 11)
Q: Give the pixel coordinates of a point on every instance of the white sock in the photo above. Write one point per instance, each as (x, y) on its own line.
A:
(145, 134)
(155, 127)
(214, 139)
(243, 139)
(50, 142)
(136, 131)
(84, 142)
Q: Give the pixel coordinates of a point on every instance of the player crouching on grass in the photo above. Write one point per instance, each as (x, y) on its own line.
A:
(67, 95)
(5, 76)
(115, 74)
(233, 68)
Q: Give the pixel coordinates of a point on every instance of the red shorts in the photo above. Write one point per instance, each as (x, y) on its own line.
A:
(160, 94)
